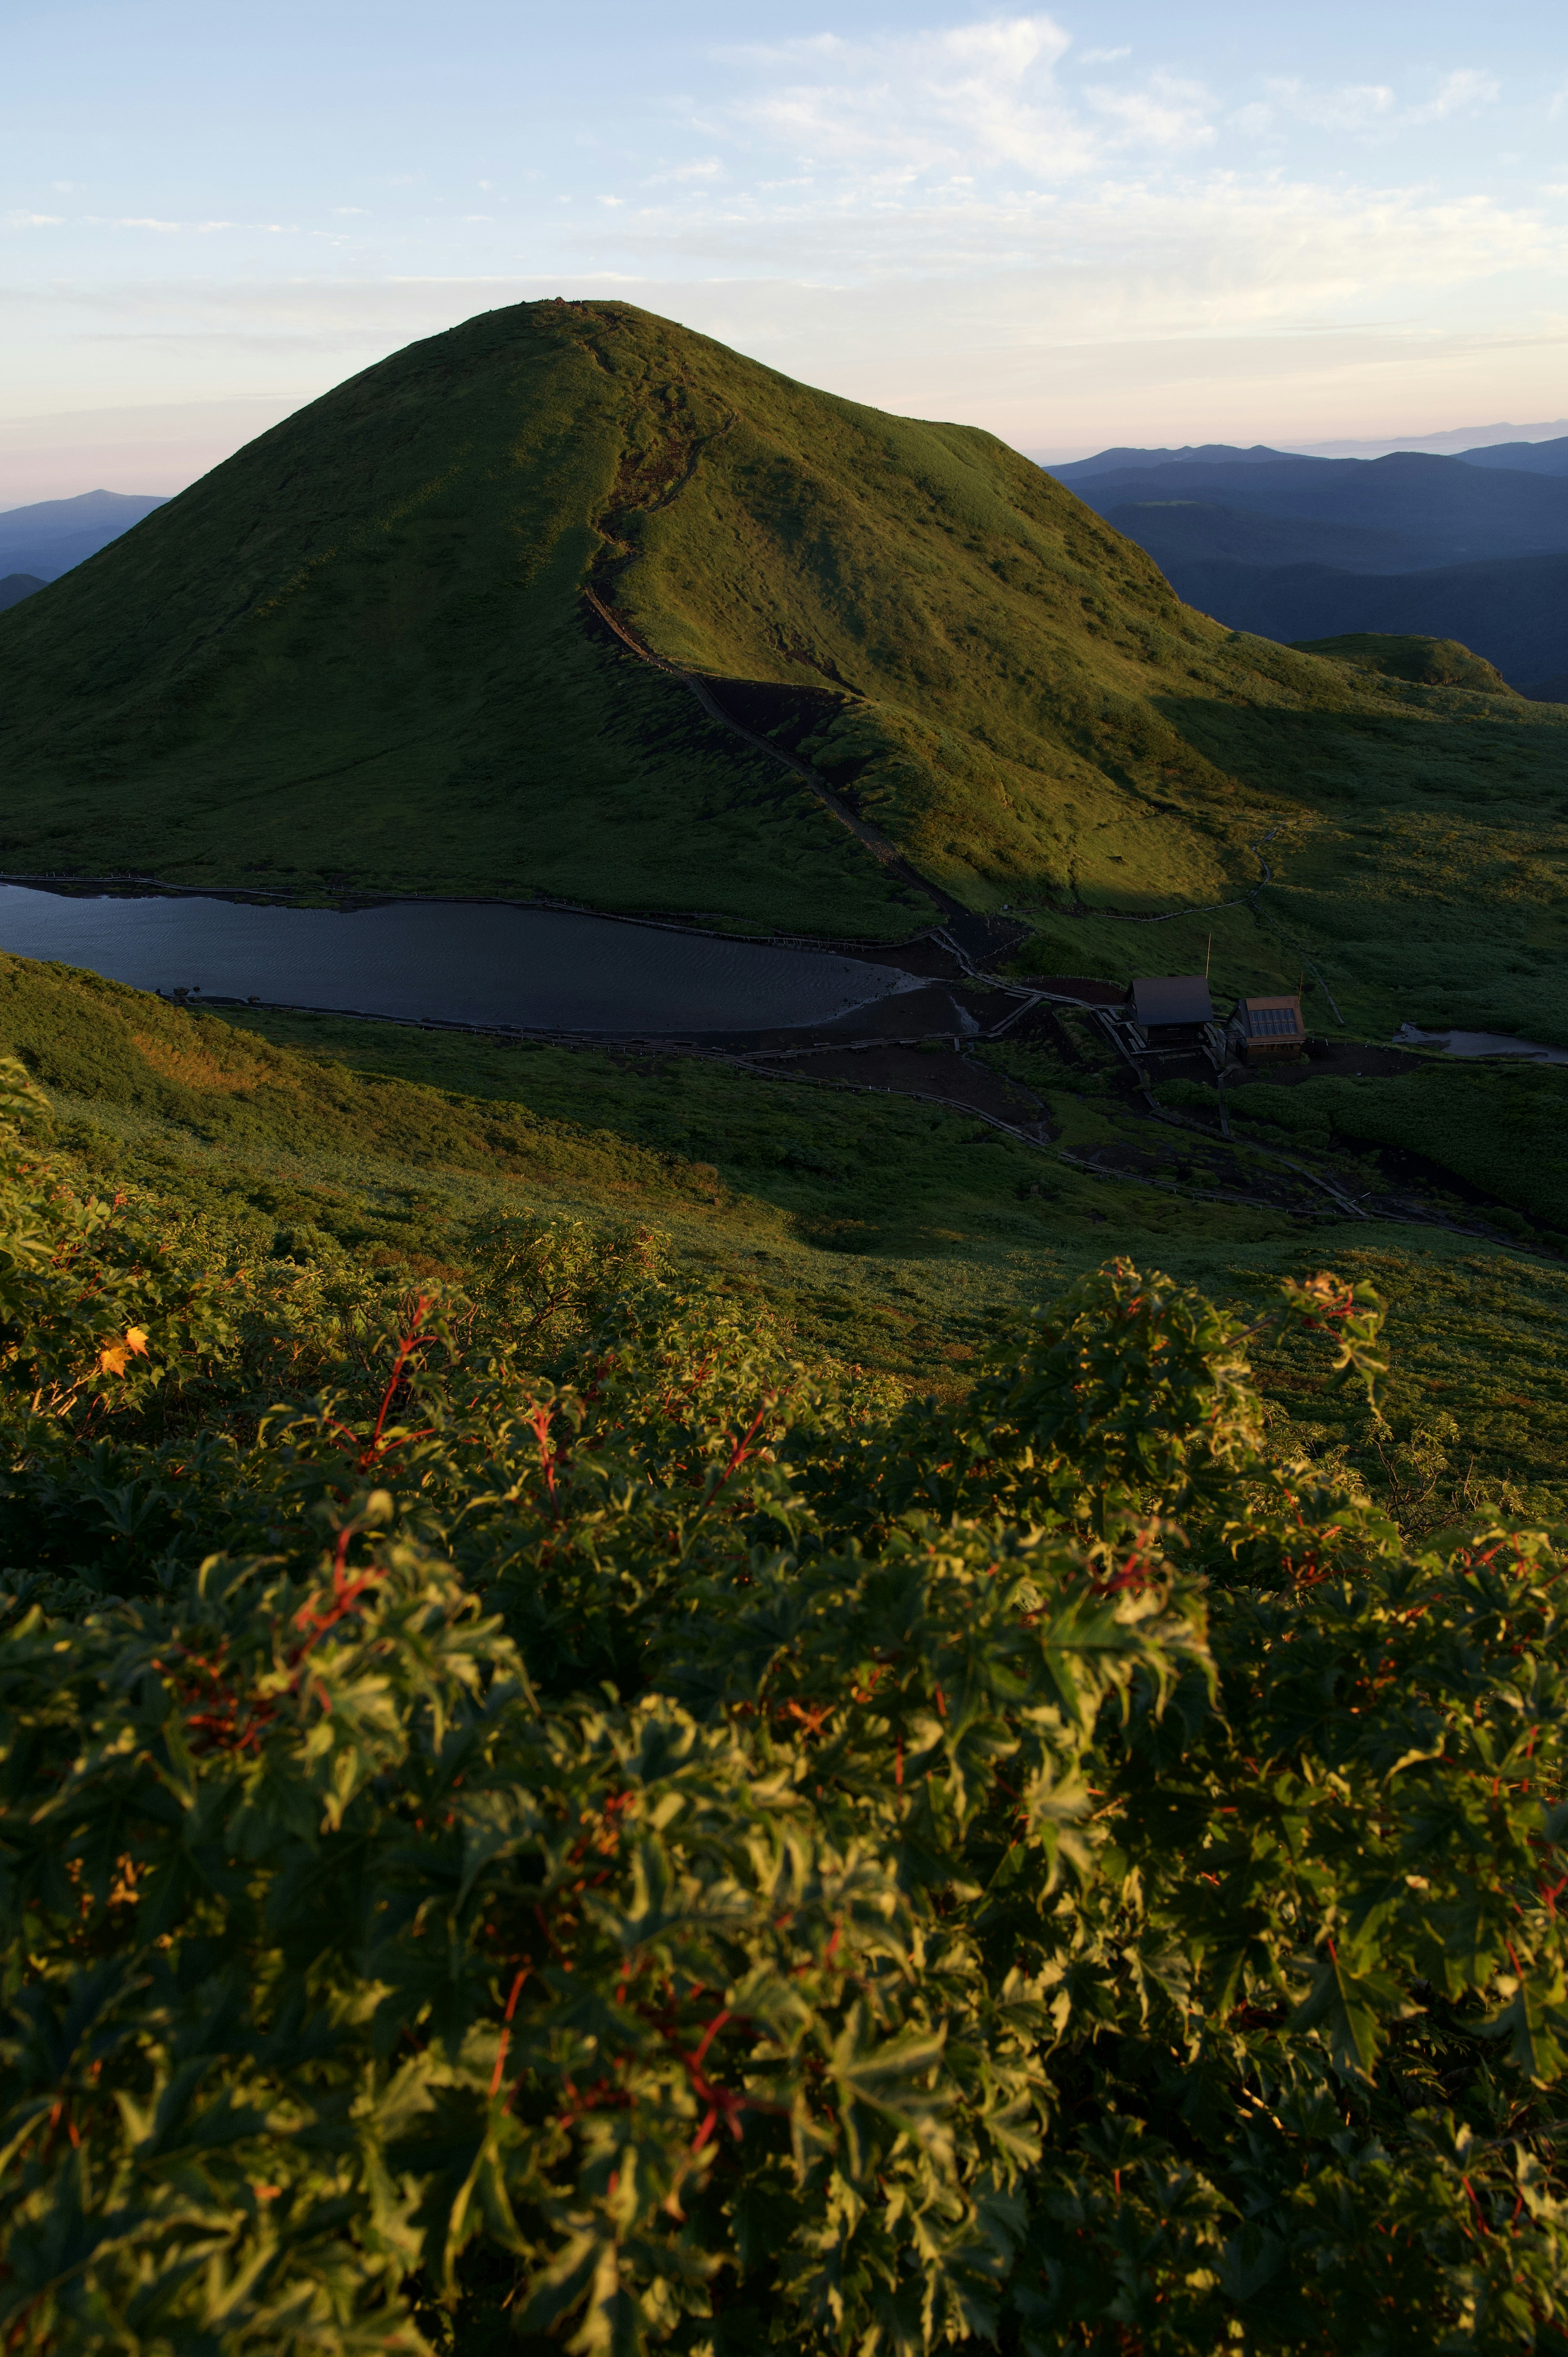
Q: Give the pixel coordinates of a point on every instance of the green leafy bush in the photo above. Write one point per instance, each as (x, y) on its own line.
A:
(529, 1819)
(1492, 1125)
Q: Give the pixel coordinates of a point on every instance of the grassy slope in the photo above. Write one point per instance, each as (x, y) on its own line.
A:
(358, 648)
(889, 1233)
(1498, 1128)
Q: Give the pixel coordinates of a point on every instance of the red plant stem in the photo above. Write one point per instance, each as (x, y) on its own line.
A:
(405, 1343)
(506, 2031)
(540, 1420)
(742, 1448)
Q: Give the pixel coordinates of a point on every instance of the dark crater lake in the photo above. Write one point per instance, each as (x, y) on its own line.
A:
(447, 962)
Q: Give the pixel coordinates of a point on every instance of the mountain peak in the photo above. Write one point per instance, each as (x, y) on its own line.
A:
(570, 600)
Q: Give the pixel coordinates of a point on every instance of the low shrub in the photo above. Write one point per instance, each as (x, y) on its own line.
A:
(529, 1815)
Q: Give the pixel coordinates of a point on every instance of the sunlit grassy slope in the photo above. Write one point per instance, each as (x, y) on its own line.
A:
(360, 650)
(885, 1232)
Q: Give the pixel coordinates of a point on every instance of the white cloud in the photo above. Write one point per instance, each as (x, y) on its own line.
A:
(1459, 91)
(1254, 119)
(1120, 292)
(904, 107)
(706, 167)
(1246, 311)
(956, 219)
(1167, 114)
(930, 155)
(33, 220)
(1355, 106)
(1374, 108)
(1127, 260)
(187, 229)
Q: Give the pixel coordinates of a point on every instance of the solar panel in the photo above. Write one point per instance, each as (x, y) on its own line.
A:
(1271, 1022)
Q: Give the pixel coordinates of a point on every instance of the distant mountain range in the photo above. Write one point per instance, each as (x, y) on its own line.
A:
(1451, 511)
(1527, 457)
(46, 539)
(1521, 457)
(1473, 546)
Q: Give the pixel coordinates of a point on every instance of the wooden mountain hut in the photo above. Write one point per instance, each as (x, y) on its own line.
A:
(1269, 1030)
(1171, 1010)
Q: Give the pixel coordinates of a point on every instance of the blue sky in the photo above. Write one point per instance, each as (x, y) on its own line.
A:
(1120, 223)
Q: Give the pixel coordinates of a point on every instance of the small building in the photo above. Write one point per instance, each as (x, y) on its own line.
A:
(1269, 1030)
(1171, 1010)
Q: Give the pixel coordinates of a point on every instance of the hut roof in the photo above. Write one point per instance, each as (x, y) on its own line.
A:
(1172, 999)
(1272, 1018)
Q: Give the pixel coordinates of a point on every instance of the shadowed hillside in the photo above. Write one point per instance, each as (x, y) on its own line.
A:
(1190, 533)
(1511, 610)
(360, 652)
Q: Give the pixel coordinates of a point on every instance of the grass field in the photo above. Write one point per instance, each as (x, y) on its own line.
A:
(357, 654)
(885, 1232)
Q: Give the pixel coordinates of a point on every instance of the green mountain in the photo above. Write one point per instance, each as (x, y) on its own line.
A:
(1431, 662)
(363, 652)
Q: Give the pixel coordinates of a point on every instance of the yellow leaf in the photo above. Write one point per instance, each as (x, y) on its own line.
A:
(112, 1360)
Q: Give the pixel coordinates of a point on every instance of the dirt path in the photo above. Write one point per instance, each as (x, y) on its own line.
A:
(937, 1075)
(880, 848)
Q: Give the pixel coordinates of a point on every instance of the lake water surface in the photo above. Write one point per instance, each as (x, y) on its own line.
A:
(453, 962)
(1479, 1043)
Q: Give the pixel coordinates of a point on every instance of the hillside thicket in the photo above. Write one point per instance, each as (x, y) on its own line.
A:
(890, 1234)
(529, 1819)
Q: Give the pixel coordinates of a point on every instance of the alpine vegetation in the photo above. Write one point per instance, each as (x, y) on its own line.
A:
(534, 1819)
